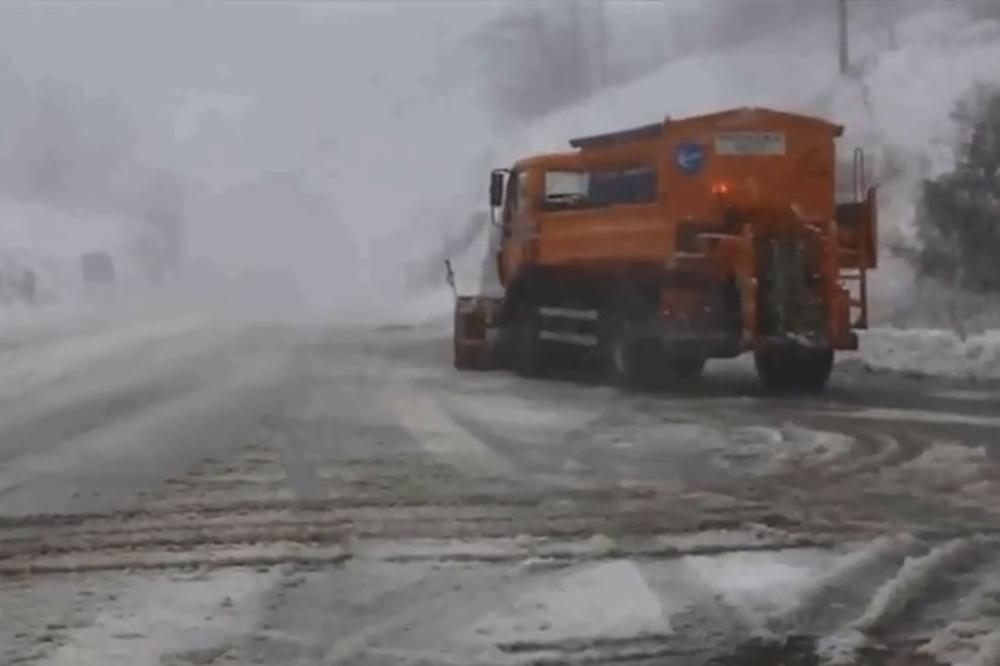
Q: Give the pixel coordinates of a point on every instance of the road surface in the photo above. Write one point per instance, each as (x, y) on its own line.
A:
(178, 488)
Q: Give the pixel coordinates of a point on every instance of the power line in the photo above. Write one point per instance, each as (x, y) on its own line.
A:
(842, 32)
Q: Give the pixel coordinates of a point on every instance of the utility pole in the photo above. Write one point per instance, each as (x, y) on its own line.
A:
(584, 78)
(893, 17)
(842, 33)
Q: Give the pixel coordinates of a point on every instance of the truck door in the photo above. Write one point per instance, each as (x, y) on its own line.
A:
(517, 230)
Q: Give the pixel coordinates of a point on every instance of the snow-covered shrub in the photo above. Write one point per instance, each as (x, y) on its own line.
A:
(958, 223)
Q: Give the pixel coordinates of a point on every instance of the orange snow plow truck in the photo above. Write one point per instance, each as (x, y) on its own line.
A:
(653, 249)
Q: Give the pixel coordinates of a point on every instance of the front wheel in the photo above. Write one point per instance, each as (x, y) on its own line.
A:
(794, 368)
(637, 364)
(528, 353)
(622, 354)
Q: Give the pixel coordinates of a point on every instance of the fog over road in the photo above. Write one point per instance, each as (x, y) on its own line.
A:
(183, 487)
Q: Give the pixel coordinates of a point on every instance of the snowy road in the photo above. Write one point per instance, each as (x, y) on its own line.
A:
(183, 489)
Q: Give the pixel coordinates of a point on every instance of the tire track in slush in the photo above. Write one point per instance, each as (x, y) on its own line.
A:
(442, 436)
(220, 514)
(225, 505)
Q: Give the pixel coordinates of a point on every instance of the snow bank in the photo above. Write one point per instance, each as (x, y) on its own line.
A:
(972, 636)
(584, 604)
(913, 578)
(893, 598)
(961, 475)
(932, 352)
(848, 569)
(175, 618)
(48, 241)
(988, 653)
(26, 370)
(945, 464)
(758, 585)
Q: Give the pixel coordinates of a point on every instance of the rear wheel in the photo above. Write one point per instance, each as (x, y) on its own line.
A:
(686, 367)
(633, 363)
(622, 365)
(647, 365)
(504, 349)
(794, 368)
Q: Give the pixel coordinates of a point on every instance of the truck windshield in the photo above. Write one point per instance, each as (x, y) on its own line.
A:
(581, 189)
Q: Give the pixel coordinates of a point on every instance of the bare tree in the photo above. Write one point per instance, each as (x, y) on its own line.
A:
(158, 240)
(67, 147)
(959, 217)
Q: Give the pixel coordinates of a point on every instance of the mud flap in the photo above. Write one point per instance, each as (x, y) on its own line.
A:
(475, 327)
(733, 256)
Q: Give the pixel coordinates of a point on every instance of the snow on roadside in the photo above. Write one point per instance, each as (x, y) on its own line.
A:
(168, 616)
(759, 585)
(913, 578)
(988, 653)
(965, 475)
(931, 352)
(583, 604)
(24, 371)
(948, 465)
(849, 568)
(971, 636)
(893, 598)
(628, 600)
(49, 240)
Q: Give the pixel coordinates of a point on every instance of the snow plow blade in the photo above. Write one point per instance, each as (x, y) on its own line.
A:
(476, 321)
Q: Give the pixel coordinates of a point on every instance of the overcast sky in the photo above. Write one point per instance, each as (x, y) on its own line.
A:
(223, 88)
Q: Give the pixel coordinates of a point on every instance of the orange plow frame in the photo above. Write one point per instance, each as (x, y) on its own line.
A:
(476, 320)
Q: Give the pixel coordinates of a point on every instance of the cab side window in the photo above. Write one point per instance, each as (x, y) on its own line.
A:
(591, 189)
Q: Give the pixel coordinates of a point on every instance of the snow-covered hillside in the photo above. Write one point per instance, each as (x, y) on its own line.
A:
(897, 104)
(48, 241)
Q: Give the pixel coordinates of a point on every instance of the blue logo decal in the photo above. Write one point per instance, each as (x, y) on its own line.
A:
(690, 157)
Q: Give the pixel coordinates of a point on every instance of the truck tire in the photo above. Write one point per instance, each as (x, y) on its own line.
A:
(686, 367)
(633, 364)
(794, 369)
(660, 370)
(528, 353)
(620, 368)
(503, 350)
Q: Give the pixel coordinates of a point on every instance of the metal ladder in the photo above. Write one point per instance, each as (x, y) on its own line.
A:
(855, 280)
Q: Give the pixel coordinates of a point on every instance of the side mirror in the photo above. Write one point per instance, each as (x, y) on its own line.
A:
(496, 189)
